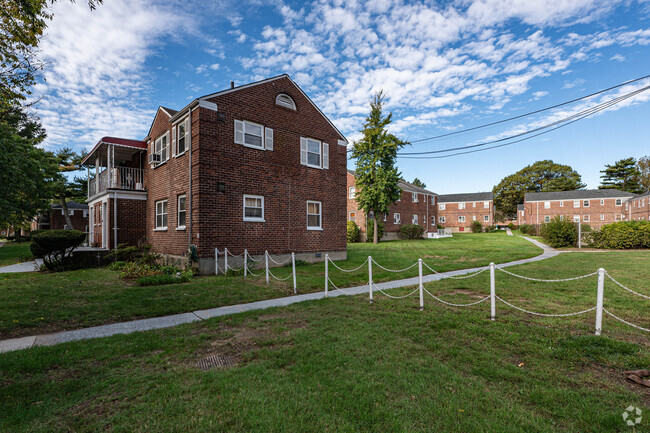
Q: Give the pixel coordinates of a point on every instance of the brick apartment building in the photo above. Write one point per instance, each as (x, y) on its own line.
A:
(54, 219)
(595, 207)
(457, 211)
(638, 208)
(257, 166)
(415, 206)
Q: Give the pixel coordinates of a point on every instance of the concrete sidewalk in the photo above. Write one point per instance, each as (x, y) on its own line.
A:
(32, 266)
(177, 319)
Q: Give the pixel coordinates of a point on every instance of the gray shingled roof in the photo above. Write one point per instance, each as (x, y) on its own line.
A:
(578, 194)
(71, 205)
(470, 196)
(169, 110)
(405, 186)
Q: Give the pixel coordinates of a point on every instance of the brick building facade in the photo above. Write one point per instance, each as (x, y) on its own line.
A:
(595, 207)
(257, 166)
(457, 211)
(415, 206)
(638, 208)
(54, 219)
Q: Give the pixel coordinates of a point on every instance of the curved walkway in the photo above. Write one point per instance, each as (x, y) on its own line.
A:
(177, 319)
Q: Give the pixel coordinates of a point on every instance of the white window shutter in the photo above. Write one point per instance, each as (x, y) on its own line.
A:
(326, 156)
(188, 132)
(268, 138)
(239, 132)
(303, 150)
(174, 144)
(168, 145)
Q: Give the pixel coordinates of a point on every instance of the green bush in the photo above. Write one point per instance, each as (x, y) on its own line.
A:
(56, 246)
(528, 229)
(412, 231)
(621, 235)
(512, 226)
(490, 229)
(371, 230)
(560, 232)
(353, 232)
(477, 227)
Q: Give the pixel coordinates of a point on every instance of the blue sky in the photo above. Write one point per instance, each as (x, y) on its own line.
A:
(444, 65)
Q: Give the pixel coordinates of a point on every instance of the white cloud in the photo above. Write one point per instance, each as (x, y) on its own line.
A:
(618, 58)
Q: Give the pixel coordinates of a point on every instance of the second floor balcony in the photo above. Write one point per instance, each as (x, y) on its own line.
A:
(127, 178)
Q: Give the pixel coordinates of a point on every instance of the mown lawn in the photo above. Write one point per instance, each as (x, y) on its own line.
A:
(35, 303)
(12, 253)
(342, 364)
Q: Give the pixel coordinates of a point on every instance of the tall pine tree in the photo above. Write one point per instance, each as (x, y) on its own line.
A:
(622, 175)
(376, 155)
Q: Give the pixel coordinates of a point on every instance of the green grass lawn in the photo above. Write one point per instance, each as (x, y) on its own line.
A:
(12, 253)
(35, 303)
(342, 364)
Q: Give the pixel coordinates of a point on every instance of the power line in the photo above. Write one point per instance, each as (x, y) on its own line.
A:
(615, 101)
(529, 113)
(564, 123)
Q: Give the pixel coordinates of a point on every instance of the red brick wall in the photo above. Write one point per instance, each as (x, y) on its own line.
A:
(534, 212)
(79, 222)
(423, 208)
(277, 175)
(639, 208)
(130, 222)
(359, 216)
(474, 210)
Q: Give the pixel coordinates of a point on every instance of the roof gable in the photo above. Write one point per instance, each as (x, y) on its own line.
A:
(166, 111)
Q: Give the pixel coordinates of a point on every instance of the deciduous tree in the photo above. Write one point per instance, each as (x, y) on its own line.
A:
(376, 155)
(643, 165)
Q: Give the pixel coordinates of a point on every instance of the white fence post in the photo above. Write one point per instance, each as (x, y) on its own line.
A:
(266, 260)
(421, 285)
(579, 235)
(370, 276)
(293, 266)
(225, 261)
(245, 263)
(216, 261)
(493, 304)
(599, 300)
(327, 276)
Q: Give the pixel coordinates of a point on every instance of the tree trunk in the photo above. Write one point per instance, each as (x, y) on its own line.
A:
(64, 206)
(375, 238)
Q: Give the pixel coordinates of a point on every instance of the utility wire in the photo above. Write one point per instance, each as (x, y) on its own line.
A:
(530, 113)
(564, 123)
(615, 101)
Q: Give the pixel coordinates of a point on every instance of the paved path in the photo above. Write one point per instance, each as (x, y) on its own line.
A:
(509, 232)
(32, 266)
(177, 319)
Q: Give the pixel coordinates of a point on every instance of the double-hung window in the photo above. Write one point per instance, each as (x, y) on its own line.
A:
(314, 153)
(585, 203)
(561, 203)
(461, 219)
(414, 219)
(397, 219)
(253, 135)
(486, 218)
(161, 215)
(602, 201)
(576, 203)
(486, 205)
(181, 212)
(314, 215)
(585, 218)
(415, 197)
(182, 137)
(353, 192)
(619, 202)
(547, 219)
(602, 217)
(547, 205)
(253, 208)
(461, 205)
(352, 216)
(161, 147)
(442, 206)
(576, 218)
(442, 220)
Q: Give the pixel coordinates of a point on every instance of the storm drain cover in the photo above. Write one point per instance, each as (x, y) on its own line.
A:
(216, 361)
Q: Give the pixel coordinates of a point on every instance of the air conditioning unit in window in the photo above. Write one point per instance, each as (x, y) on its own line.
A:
(154, 158)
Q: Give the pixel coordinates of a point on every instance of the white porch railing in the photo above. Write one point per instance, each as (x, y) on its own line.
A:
(121, 178)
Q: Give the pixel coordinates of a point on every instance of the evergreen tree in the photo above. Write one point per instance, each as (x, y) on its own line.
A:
(622, 175)
(418, 182)
(376, 155)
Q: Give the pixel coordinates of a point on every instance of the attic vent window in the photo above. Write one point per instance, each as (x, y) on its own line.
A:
(285, 101)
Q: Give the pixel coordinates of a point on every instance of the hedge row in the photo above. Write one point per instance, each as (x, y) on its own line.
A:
(623, 235)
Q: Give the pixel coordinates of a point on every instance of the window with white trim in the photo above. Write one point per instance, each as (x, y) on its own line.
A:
(585, 203)
(352, 216)
(181, 211)
(385, 217)
(442, 206)
(585, 218)
(433, 199)
(285, 101)
(561, 203)
(182, 136)
(253, 208)
(486, 218)
(473, 204)
(561, 217)
(547, 205)
(602, 201)
(353, 192)
(576, 203)
(442, 220)
(473, 217)
(161, 147)
(619, 202)
(414, 196)
(618, 217)
(71, 212)
(397, 219)
(547, 219)
(461, 205)
(486, 205)
(602, 217)
(314, 153)
(414, 219)
(314, 215)
(249, 134)
(161, 215)
(85, 214)
(576, 218)
(461, 219)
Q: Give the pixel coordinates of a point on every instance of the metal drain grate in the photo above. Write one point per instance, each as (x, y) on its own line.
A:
(216, 361)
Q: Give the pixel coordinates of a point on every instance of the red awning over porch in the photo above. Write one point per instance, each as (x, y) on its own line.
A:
(123, 149)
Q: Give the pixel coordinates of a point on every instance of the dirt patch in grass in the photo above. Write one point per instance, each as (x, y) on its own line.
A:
(616, 376)
(429, 256)
(473, 259)
(467, 292)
